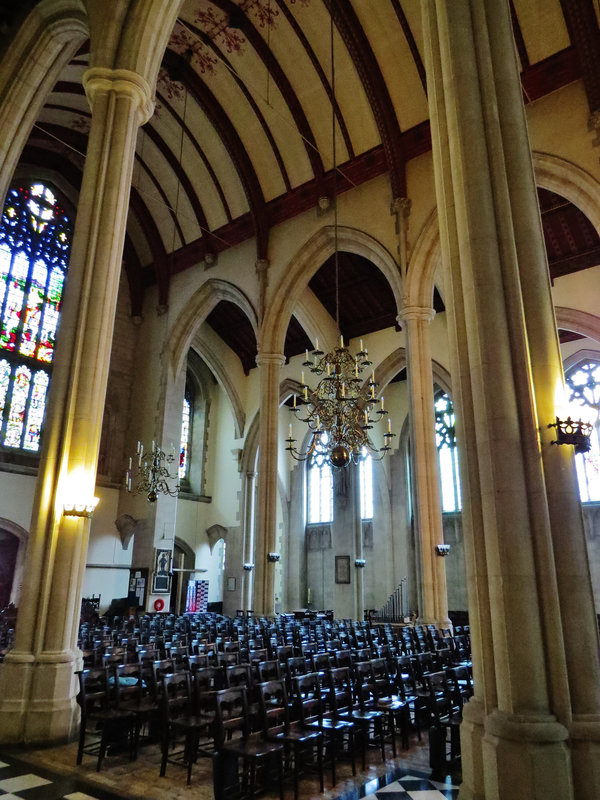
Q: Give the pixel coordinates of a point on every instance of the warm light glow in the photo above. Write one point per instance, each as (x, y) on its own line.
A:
(80, 508)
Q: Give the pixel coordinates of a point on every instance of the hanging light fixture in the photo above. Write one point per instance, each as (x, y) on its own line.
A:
(152, 474)
(339, 409)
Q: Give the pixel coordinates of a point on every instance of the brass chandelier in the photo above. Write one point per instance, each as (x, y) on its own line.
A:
(152, 476)
(338, 410)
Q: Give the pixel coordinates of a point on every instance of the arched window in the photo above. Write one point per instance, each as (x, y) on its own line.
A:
(320, 492)
(365, 480)
(445, 437)
(186, 437)
(583, 383)
(35, 240)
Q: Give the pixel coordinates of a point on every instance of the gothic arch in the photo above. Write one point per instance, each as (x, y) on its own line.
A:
(570, 319)
(31, 65)
(303, 266)
(571, 182)
(23, 537)
(425, 260)
(195, 312)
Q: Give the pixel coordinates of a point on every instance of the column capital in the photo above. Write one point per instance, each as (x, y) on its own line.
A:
(121, 81)
(262, 265)
(401, 205)
(420, 313)
(266, 359)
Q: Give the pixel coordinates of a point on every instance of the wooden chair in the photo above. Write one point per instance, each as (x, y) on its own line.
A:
(235, 740)
(98, 706)
(276, 724)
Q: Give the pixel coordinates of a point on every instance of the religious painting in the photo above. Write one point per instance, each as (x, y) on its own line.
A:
(342, 569)
(161, 582)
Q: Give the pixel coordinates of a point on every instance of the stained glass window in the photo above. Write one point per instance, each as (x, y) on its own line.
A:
(583, 383)
(35, 240)
(445, 436)
(320, 492)
(184, 449)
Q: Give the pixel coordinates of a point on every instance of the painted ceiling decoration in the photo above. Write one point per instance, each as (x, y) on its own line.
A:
(241, 137)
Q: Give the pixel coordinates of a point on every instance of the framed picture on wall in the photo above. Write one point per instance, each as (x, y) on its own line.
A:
(161, 581)
(231, 584)
(342, 569)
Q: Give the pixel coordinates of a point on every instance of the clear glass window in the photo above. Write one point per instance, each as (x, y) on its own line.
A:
(320, 492)
(365, 478)
(445, 436)
(583, 384)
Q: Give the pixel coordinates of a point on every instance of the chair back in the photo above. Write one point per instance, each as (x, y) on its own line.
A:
(268, 671)
(274, 707)
(308, 699)
(231, 715)
(340, 696)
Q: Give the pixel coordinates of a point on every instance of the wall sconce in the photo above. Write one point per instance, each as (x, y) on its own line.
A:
(359, 562)
(442, 549)
(575, 432)
(248, 567)
(273, 557)
(80, 509)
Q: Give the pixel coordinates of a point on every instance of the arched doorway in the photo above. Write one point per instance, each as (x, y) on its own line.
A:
(184, 561)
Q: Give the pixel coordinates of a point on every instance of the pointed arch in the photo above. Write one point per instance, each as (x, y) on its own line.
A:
(309, 258)
(195, 312)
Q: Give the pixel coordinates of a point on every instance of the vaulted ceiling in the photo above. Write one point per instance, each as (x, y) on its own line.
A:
(241, 136)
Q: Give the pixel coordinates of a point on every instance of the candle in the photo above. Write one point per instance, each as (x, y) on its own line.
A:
(302, 378)
(130, 464)
(356, 369)
(308, 601)
(372, 393)
(341, 341)
(382, 406)
(306, 355)
(389, 425)
(373, 377)
(138, 446)
(290, 436)
(328, 369)
(366, 417)
(129, 483)
(306, 394)
(141, 452)
(153, 445)
(343, 390)
(316, 344)
(318, 423)
(294, 402)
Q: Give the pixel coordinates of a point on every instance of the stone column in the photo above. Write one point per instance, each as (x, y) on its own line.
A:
(248, 547)
(37, 684)
(426, 485)
(514, 736)
(266, 499)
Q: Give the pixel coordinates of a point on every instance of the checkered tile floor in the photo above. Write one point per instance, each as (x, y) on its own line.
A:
(19, 781)
(412, 786)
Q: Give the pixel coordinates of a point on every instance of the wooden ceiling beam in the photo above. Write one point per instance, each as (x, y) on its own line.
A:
(584, 33)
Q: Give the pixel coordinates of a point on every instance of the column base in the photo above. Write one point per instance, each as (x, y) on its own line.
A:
(584, 734)
(471, 740)
(525, 757)
(38, 704)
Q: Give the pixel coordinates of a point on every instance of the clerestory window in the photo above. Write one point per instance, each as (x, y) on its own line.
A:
(35, 242)
(583, 384)
(445, 436)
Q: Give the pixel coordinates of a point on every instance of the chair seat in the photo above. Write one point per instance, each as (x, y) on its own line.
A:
(250, 747)
(330, 724)
(295, 734)
(364, 715)
(391, 703)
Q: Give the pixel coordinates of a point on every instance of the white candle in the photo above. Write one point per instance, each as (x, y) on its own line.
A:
(290, 436)
(382, 406)
(138, 446)
(305, 393)
(373, 377)
(308, 601)
(141, 452)
(302, 378)
(306, 355)
(356, 369)
(318, 423)
(389, 425)
(153, 445)
(366, 417)
(343, 390)
(328, 369)
(130, 463)
(316, 344)
(361, 345)
(129, 483)
(342, 342)
(294, 401)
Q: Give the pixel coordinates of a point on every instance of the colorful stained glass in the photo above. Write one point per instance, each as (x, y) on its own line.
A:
(35, 240)
(185, 439)
(35, 415)
(5, 259)
(13, 304)
(33, 309)
(50, 318)
(4, 381)
(18, 406)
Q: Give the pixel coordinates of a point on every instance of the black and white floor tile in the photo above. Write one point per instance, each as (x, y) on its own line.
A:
(20, 781)
(410, 786)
